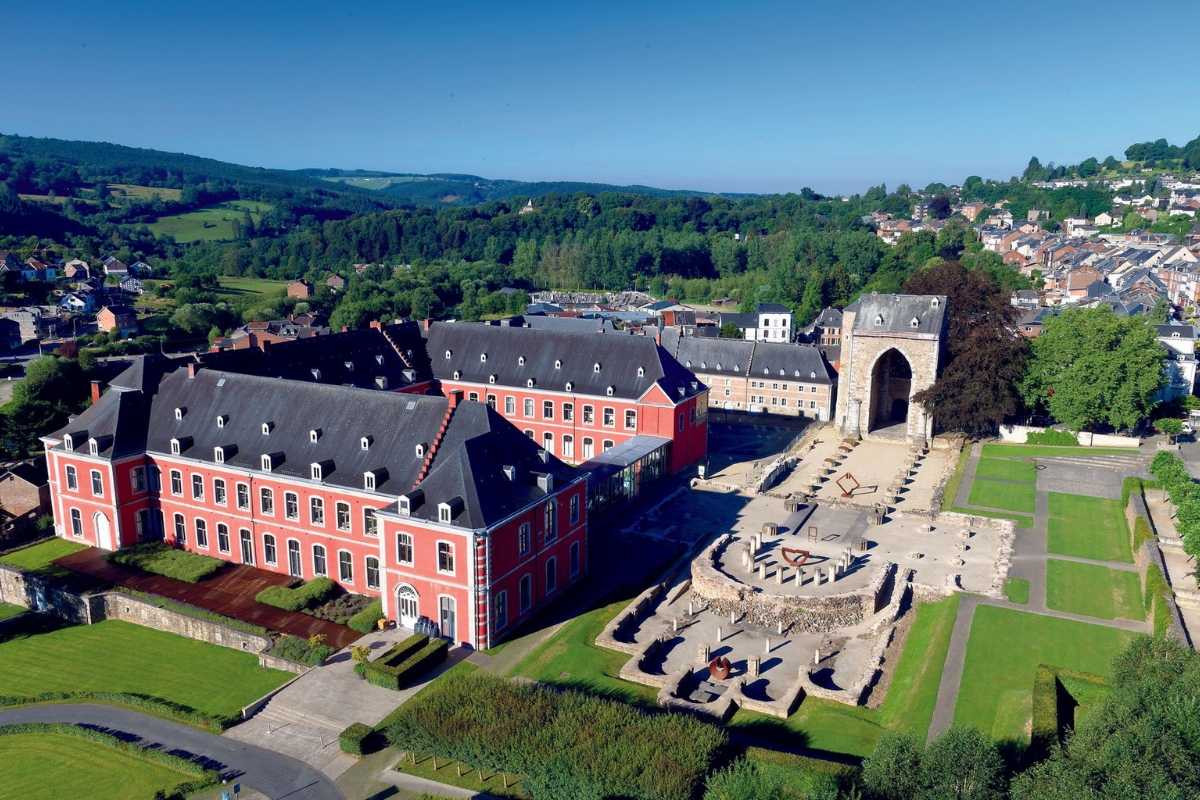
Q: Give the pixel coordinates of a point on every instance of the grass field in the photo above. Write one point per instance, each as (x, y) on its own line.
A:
(1017, 591)
(1045, 451)
(1093, 590)
(1009, 496)
(143, 192)
(447, 772)
(956, 479)
(1088, 527)
(572, 658)
(209, 224)
(38, 557)
(1007, 469)
(244, 287)
(114, 656)
(1021, 520)
(8, 610)
(854, 730)
(50, 766)
(1003, 652)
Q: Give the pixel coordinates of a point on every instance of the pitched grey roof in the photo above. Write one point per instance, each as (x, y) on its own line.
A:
(795, 361)
(569, 324)
(893, 314)
(1176, 331)
(486, 354)
(829, 318)
(771, 308)
(716, 356)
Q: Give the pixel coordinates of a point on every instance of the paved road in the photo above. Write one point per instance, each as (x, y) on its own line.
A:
(272, 774)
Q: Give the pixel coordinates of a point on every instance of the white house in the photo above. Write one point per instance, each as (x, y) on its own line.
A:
(1180, 344)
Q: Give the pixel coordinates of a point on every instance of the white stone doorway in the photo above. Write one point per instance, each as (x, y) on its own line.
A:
(408, 606)
(103, 531)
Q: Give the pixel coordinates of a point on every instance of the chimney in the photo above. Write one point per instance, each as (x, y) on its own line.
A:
(658, 338)
(426, 323)
(265, 345)
(376, 325)
(193, 368)
(346, 328)
(97, 390)
(455, 397)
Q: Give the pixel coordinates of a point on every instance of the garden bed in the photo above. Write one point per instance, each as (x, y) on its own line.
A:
(161, 558)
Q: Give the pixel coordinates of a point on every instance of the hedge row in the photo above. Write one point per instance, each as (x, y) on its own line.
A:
(1157, 592)
(1052, 437)
(293, 648)
(355, 740)
(161, 558)
(400, 667)
(567, 744)
(309, 594)
(367, 620)
(164, 708)
(203, 778)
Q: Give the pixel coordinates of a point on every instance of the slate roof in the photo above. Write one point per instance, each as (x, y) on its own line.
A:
(716, 356)
(829, 318)
(771, 308)
(486, 354)
(896, 312)
(569, 324)
(468, 462)
(1176, 331)
(796, 361)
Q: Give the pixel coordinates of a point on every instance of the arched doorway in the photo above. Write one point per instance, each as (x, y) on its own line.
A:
(408, 606)
(891, 384)
(103, 531)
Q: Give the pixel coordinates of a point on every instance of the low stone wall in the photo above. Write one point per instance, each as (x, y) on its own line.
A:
(819, 614)
(953, 448)
(23, 588)
(116, 605)
(1150, 553)
(1018, 434)
(718, 711)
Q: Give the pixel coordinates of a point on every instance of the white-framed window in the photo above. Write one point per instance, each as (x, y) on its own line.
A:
(550, 520)
(568, 446)
(501, 616)
(447, 617)
(219, 491)
(180, 530)
(574, 506)
(316, 511)
(589, 415)
(404, 549)
(137, 479)
(270, 556)
(473, 397)
(76, 522)
(345, 566)
(72, 479)
(608, 445)
(510, 406)
(547, 409)
(319, 565)
(445, 554)
(370, 522)
(342, 513)
(526, 592)
(291, 505)
(97, 484)
(372, 572)
(630, 420)
(243, 496)
(294, 567)
(588, 448)
(197, 487)
(529, 432)
(266, 501)
(548, 442)
(610, 417)
(528, 407)
(201, 533)
(568, 412)
(223, 537)
(574, 559)
(551, 574)
(523, 539)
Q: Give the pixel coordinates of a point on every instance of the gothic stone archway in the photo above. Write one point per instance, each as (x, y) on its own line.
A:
(891, 392)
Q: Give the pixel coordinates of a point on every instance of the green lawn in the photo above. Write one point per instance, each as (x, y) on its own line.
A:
(447, 772)
(240, 287)
(854, 730)
(1006, 469)
(1003, 652)
(143, 192)
(1045, 451)
(1093, 590)
(38, 557)
(209, 224)
(47, 766)
(1009, 496)
(956, 479)
(1088, 527)
(114, 656)
(8, 610)
(572, 658)
(1017, 591)
(1021, 520)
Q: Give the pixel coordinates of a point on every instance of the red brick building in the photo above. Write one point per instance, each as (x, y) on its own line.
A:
(435, 504)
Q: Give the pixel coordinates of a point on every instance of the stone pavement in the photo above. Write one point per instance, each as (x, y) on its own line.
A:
(1073, 475)
(304, 719)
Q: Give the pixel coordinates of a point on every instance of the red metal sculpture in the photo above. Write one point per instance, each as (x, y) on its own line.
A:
(719, 668)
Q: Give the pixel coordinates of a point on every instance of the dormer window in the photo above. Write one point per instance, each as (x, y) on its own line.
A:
(316, 373)
(444, 512)
(491, 378)
(529, 383)
(404, 506)
(483, 358)
(449, 353)
(520, 361)
(718, 366)
(570, 386)
(935, 302)
(93, 447)
(878, 319)
(68, 443)
(365, 442)
(420, 448)
(174, 447)
(609, 391)
(558, 365)
(687, 364)
(596, 367)
(267, 427)
(267, 462)
(314, 435)
(1174, 335)
(179, 412)
(766, 370)
(349, 366)
(916, 323)
(510, 472)
(316, 471)
(812, 374)
(221, 420)
(219, 455)
(369, 481)
(381, 382)
(641, 372)
(379, 360)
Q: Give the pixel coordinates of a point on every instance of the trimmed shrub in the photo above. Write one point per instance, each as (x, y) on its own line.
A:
(401, 665)
(161, 558)
(293, 648)
(305, 596)
(1052, 437)
(355, 740)
(367, 620)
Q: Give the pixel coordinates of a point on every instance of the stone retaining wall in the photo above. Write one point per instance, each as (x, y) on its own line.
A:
(23, 588)
(1150, 553)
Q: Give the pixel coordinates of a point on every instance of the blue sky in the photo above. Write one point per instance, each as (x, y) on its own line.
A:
(752, 96)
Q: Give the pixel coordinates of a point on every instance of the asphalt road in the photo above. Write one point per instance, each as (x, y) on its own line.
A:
(274, 775)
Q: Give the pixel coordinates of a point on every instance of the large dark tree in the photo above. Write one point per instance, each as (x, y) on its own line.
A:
(984, 355)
